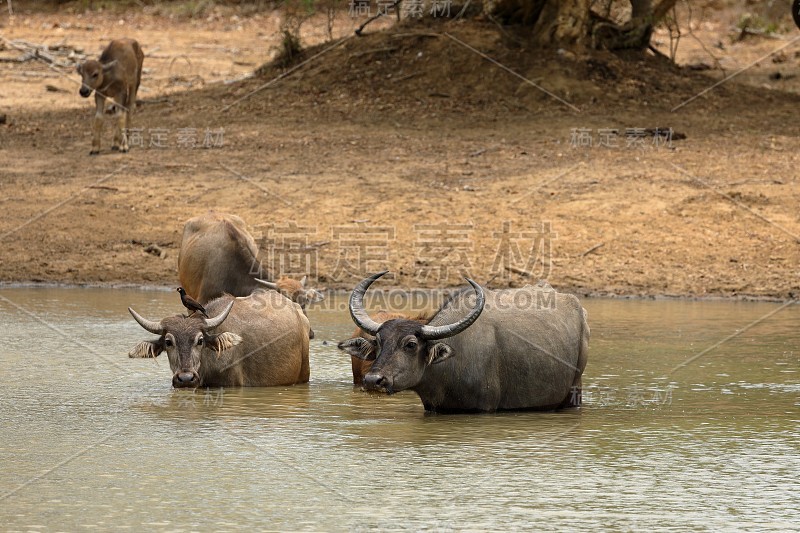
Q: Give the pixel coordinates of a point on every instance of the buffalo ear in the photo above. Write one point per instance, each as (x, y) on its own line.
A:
(108, 66)
(313, 295)
(147, 349)
(223, 341)
(439, 352)
(359, 347)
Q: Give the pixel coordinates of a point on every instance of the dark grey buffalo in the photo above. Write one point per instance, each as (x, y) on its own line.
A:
(257, 341)
(494, 350)
(362, 362)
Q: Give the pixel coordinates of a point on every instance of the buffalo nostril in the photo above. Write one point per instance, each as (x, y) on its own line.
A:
(374, 381)
(186, 377)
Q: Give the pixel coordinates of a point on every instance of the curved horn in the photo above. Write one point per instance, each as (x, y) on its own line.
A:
(357, 311)
(150, 325)
(440, 332)
(211, 323)
(269, 284)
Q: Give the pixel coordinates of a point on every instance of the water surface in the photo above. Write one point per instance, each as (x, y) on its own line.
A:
(92, 439)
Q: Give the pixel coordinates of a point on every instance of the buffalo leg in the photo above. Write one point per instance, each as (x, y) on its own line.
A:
(115, 145)
(122, 130)
(97, 123)
(97, 129)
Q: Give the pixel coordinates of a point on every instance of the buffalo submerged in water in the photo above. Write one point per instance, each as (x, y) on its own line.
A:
(259, 340)
(511, 349)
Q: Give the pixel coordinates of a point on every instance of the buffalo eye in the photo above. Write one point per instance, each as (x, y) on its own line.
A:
(94, 75)
(411, 344)
(168, 343)
(199, 341)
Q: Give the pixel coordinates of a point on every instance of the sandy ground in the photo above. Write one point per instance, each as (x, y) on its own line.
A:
(406, 150)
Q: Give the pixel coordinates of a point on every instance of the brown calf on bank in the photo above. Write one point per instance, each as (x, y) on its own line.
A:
(115, 79)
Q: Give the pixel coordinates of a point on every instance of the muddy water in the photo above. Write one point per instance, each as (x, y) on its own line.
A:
(92, 439)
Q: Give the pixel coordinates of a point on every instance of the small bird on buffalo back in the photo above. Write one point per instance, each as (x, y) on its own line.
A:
(190, 304)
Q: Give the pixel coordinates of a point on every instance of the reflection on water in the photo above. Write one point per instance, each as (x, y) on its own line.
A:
(90, 438)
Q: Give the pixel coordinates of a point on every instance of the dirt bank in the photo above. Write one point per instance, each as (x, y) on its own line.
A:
(407, 150)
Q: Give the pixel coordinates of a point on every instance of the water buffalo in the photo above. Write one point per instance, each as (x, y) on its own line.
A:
(295, 290)
(257, 341)
(512, 349)
(218, 256)
(361, 361)
(115, 80)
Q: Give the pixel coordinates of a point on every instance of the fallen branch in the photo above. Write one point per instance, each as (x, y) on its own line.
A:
(742, 182)
(156, 250)
(759, 33)
(592, 249)
(219, 47)
(414, 34)
(34, 74)
(406, 77)
(32, 51)
(238, 78)
(375, 17)
(152, 101)
(519, 271)
(314, 246)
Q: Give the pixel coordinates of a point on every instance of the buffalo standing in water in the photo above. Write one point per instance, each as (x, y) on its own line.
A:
(257, 341)
(512, 349)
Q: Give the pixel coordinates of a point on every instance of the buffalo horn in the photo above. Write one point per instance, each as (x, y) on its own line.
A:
(357, 311)
(149, 325)
(440, 332)
(269, 284)
(211, 323)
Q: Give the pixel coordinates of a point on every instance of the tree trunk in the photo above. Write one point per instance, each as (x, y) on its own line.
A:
(573, 24)
(563, 23)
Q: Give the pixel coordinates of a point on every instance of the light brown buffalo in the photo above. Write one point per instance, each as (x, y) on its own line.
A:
(295, 290)
(218, 256)
(257, 341)
(115, 80)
